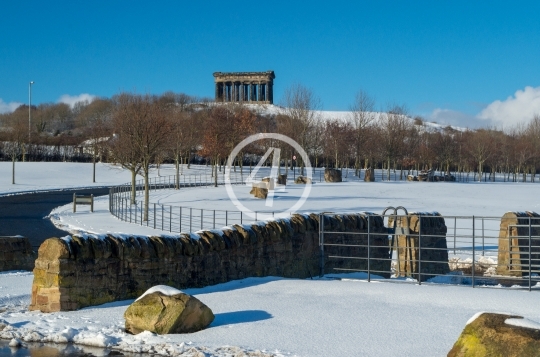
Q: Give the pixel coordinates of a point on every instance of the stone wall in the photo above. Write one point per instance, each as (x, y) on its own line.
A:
(425, 242)
(514, 244)
(74, 272)
(16, 254)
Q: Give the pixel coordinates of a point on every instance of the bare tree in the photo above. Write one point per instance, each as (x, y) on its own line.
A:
(96, 120)
(141, 129)
(362, 116)
(301, 110)
(394, 126)
(480, 148)
(17, 135)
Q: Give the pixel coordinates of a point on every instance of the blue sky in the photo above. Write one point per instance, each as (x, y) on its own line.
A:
(469, 63)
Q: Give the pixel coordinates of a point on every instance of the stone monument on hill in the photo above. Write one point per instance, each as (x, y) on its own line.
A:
(245, 87)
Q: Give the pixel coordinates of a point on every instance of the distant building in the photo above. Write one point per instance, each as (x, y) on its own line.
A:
(246, 87)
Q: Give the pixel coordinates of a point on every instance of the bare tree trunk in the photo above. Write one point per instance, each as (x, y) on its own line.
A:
(177, 168)
(146, 194)
(133, 188)
(216, 172)
(94, 168)
(13, 170)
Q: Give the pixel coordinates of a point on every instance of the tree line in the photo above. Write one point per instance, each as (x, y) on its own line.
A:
(138, 131)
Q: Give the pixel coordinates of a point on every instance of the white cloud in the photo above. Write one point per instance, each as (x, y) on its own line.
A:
(72, 99)
(515, 109)
(8, 107)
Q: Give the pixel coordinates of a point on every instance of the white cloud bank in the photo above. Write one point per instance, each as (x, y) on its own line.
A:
(515, 109)
(519, 108)
(8, 107)
(71, 100)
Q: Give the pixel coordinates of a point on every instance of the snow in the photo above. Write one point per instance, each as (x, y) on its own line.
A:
(164, 289)
(296, 317)
(526, 323)
(337, 315)
(474, 317)
(49, 176)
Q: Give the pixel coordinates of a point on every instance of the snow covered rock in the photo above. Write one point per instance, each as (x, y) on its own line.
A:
(332, 175)
(302, 180)
(259, 192)
(498, 335)
(15, 342)
(166, 310)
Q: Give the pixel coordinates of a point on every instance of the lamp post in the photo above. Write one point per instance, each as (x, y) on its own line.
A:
(29, 110)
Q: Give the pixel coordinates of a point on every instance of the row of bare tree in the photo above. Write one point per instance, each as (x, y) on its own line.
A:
(177, 128)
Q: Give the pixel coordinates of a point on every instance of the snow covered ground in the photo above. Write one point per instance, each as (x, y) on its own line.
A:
(46, 176)
(292, 317)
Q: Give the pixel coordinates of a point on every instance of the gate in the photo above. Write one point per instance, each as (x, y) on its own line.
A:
(426, 247)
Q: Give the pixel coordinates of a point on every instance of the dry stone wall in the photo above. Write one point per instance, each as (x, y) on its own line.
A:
(514, 244)
(78, 271)
(16, 254)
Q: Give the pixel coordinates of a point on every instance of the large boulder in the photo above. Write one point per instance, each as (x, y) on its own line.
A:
(332, 175)
(302, 180)
(165, 310)
(492, 334)
(259, 192)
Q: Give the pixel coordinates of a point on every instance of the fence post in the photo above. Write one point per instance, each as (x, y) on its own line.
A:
(419, 250)
(368, 250)
(214, 219)
(226, 218)
(154, 216)
(241, 217)
(530, 254)
(482, 236)
(321, 245)
(473, 251)
(455, 224)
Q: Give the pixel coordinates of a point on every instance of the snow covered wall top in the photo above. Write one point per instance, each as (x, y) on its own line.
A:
(78, 271)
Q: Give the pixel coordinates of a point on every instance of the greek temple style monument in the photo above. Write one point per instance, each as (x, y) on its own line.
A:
(250, 87)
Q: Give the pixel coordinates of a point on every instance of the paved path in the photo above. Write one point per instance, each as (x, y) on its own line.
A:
(23, 214)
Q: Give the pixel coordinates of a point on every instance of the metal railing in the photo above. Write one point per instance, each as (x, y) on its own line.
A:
(178, 219)
(469, 253)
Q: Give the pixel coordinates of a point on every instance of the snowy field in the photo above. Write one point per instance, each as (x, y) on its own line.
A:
(291, 317)
(48, 176)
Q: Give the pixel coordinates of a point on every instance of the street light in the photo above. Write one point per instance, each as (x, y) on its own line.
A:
(29, 110)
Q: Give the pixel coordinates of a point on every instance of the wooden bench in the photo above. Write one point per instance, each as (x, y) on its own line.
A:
(83, 200)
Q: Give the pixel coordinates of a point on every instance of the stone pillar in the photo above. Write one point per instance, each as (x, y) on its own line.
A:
(241, 90)
(270, 92)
